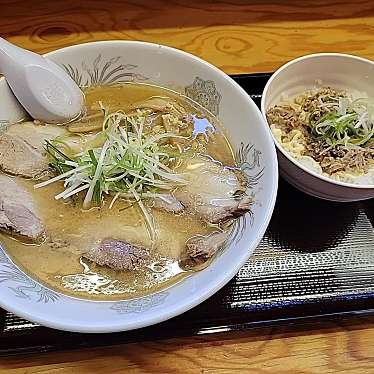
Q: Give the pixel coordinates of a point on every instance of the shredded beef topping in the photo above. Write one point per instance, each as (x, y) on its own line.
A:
(311, 108)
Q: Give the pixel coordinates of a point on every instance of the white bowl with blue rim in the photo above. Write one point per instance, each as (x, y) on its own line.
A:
(122, 61)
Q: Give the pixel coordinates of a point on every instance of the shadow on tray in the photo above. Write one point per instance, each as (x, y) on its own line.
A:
(307, 224)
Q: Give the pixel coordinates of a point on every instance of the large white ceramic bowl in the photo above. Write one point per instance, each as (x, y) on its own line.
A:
(330, 69)
(119, 61)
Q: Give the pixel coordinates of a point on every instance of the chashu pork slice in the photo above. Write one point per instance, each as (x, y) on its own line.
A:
(201, 248)
(22, 148)
(117, 254)
(214, 192)
(17, 212)
(168, 203)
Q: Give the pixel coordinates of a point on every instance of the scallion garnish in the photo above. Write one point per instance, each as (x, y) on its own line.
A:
(127, 163)
(349, 123)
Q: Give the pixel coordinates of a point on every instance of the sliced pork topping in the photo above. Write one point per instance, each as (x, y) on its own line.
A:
(117, 255)
(21, 149)
(201, 248)
(17, 212)
(214, 192)
(168, 203)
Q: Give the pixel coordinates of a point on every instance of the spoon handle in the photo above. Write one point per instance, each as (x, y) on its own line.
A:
(43, 88)
(10, 54)
(11, 110)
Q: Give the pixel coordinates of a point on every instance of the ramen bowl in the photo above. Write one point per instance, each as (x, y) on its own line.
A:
(339, 71)
(111, 62)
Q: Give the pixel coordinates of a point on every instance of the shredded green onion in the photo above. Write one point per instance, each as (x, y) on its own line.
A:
(126, 162)
(349, 123)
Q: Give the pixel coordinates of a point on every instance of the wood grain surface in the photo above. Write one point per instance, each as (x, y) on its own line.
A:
(239, 37)
(345, 347)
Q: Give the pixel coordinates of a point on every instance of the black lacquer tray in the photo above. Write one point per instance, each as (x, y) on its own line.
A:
(316, 261)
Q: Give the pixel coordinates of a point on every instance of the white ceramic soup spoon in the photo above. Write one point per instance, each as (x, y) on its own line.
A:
(42, 87)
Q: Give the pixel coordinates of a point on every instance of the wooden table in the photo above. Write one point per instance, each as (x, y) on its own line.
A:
(239, 37)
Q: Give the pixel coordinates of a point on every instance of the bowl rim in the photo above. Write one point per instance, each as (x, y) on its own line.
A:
(241, 258)
(279, 146)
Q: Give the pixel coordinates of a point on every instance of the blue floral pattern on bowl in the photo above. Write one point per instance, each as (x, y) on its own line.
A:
(140, 305)
(21, 284)
(103, 72)
(205, 93)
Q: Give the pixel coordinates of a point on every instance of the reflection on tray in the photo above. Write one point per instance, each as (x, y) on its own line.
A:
(312, 249)
(307, 224)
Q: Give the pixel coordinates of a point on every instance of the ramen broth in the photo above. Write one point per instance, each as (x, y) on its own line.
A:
(58, 262)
